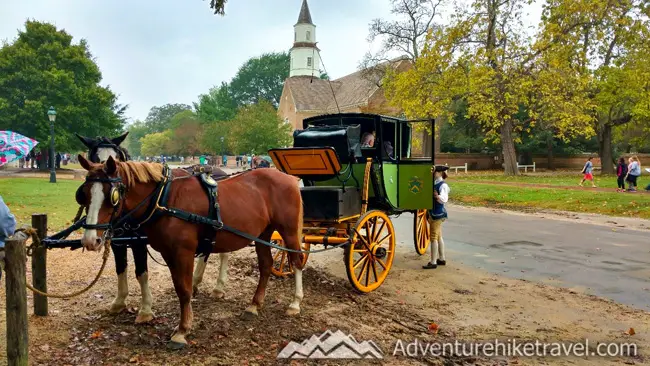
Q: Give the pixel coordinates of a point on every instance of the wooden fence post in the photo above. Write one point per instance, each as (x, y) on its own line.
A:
(17, 328)
(39, 266)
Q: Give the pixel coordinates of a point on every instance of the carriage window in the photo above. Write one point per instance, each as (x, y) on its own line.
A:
(417, 142)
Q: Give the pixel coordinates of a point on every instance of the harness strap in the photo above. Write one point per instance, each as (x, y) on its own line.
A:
(218, 225)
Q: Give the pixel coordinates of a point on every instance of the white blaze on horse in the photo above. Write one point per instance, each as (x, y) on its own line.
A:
(252, 204)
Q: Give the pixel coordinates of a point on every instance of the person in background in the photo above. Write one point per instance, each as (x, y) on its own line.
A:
(587, 171)
(202, 159)
(57, 157)
(437, 216)
(250, 161)
(621, 172)
(647, 188)
(368, 139)
(633, 172)
(7, 228)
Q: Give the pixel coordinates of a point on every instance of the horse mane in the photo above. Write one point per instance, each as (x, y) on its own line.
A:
(140, 172)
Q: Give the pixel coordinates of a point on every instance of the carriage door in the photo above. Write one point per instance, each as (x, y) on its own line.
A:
(387, 150)
(415, 188)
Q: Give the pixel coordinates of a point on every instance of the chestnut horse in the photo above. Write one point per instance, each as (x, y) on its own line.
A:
(256, 203)
(99, 149)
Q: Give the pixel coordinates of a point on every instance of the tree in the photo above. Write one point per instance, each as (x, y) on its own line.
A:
(261, 78)
(217, 105)
(156, 143)
(137, 131)
(159, 118)
(218, 6)
(606, 41)
(484, 58)
(405, 35)
(257, 128)
(186, 134)
(213, 134)
(42, 67)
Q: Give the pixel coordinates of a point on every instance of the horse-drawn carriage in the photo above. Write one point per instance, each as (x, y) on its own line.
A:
(351, 189)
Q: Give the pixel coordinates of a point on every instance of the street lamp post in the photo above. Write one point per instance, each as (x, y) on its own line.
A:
(222, 151)
(51, 114)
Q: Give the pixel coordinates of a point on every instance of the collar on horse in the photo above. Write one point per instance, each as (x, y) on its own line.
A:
(158, 206)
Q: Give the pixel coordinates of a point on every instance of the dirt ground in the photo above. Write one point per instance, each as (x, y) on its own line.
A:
(466, 304)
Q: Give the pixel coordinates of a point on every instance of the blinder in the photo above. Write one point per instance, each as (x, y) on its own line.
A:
(115, 196)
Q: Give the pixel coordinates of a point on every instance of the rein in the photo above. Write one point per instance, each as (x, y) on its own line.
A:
(156, 207)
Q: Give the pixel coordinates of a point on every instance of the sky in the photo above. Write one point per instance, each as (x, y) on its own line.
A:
(171, 51)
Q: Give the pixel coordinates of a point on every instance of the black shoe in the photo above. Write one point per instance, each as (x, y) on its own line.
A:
(430, 266)
(441, 262)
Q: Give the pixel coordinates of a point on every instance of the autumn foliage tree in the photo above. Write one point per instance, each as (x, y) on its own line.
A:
(606, 42)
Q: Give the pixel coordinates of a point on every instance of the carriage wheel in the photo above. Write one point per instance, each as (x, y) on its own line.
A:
(282, 267)
(370, 255)
(421, 231)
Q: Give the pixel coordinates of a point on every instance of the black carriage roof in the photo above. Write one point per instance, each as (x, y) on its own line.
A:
(330, 117)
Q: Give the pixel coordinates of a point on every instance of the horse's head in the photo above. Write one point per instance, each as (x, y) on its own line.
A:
(100, 148)
(102, 194)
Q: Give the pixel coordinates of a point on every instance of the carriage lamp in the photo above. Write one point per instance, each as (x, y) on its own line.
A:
(51, 115)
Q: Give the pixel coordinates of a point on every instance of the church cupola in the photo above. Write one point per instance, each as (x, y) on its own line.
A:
(305, 57)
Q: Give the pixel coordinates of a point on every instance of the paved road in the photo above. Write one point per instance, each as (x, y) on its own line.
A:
(592, 258)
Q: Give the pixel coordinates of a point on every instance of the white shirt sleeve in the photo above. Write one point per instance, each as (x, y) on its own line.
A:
(443, 197)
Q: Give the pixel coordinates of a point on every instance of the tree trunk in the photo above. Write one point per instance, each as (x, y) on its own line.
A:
(605, 149)
(550, 165)
(508, 146)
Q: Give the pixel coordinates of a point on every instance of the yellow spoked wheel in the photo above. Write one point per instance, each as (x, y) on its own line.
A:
(370, 254)
(282, 266)
(421, 231)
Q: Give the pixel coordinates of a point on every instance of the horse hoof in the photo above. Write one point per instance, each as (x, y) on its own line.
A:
(143, 318)
(195, 291)
(175, 346)
(117, 308)
(218, 294)
(293, 311)
(250, 313)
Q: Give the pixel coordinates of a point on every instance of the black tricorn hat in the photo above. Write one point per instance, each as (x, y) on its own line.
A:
(441, 168)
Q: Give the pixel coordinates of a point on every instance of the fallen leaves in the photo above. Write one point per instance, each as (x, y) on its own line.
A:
(630, 332)
(96, 334)
(433, 328)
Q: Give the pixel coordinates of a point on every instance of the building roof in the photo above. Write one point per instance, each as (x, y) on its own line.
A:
(314, 94)
(305, 16)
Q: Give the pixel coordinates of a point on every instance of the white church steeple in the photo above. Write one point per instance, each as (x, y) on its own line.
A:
(305, 57)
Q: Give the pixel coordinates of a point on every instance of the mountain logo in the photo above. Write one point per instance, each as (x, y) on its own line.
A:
(332, 345)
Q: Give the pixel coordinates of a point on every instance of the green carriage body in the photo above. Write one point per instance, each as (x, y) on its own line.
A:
(400, 183)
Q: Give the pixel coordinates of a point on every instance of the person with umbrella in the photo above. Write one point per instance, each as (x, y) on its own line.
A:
(14, 146)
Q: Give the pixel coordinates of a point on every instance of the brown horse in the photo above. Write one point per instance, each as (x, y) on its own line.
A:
(256, 203)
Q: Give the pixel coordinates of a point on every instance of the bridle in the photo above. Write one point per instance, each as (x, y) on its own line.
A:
(115, 198)
(119, 221)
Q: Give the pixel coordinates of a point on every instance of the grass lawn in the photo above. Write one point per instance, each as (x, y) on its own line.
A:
(557, 179)
(26, 196)
(615, 204)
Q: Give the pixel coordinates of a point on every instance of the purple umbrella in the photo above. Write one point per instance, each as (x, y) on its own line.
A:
(14, 146)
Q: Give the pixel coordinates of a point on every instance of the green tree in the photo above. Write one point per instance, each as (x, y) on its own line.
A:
(606, 41)
(257, 128)
(159, 118)
(213, 133)
(137, 131)
(218, 6)
(42, 67)
(156, 143)
(261, 78)
(217, 105)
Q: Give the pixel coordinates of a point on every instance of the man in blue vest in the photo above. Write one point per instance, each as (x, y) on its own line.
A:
(437, 216)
